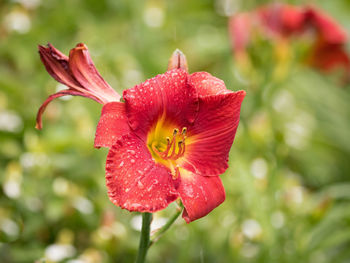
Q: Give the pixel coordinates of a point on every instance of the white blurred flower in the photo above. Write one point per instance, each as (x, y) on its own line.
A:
(17, 21)
(136, 222)
(29, 4)
(29, 160)
(83, 205)
(60, 87)
(298, 132)
(259, 168)
(60, 186)
(58, 252)
(296, 195)
(107, 232)
(157, 222)
(295, 135)
(251, 228)
(119, 229)
(227, 7)
(283, 102)
(153, 16)
(10, 121)
(9, 227)
(12, 188)
(277, 219)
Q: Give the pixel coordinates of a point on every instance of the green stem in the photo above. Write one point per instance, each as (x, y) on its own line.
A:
(144, 239)
(164, 228)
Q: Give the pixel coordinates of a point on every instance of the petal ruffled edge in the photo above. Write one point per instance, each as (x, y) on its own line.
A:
(199, 194)
(133, 179)
(113, 124)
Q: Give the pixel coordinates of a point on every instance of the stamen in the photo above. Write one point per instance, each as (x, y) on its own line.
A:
(175, 131)
(173, 153)
(166, 152)
(175, 146)
(182, 150)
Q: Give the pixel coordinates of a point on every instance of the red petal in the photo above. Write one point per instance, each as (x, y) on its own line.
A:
(54, 96)
(210, 138)
(328, 57)
(112, 126)
(86, 74)
(134, 181)
(56, 65)
(199, 194)
(282, 19)
(167, 93)
(330, 31)
(292, 19)
(206, 84)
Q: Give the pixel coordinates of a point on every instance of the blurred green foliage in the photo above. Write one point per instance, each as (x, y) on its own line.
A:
(288, 185)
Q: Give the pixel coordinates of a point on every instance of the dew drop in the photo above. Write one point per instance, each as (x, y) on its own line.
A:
(140, 185)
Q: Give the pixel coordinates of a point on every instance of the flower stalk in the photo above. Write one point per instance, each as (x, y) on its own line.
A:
(145, 237)
(145, 241)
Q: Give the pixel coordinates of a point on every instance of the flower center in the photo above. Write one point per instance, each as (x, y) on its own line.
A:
(175, 147)
(167, 144)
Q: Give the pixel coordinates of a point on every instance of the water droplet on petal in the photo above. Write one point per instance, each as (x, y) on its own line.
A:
(140, 185)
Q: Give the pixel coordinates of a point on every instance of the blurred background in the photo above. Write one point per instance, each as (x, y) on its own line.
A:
(288, 185)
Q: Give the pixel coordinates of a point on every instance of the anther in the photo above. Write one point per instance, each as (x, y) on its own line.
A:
(184, 130)
(175, 131)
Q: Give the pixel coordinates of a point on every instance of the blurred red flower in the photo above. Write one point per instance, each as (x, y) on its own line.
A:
(170, 139)
(284, 21)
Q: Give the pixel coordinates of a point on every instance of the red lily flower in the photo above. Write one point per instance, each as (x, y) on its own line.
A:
(285, 21)
(170, 139)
